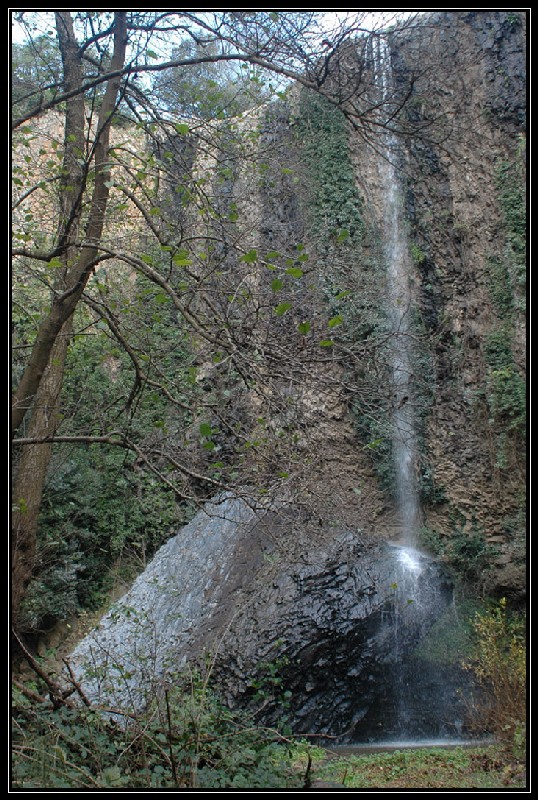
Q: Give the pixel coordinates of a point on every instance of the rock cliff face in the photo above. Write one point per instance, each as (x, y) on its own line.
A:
(461, 160)
(466, 210)
(308, 581)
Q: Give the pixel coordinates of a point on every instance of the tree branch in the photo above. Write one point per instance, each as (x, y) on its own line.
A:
(81, 439)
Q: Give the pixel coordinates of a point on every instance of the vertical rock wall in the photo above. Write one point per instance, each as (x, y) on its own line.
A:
(463, 169)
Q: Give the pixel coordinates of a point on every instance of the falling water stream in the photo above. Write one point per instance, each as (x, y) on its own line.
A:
(414, 707)
(400, 304)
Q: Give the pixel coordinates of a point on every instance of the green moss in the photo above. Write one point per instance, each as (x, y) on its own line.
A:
(505, 386)
(510, 180)
(449, 640)
(500, 287)
(336, 200)
(505, 389)
(351, 272)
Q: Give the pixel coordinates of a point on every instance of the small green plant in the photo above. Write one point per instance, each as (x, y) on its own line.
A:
(500, 666)
(467, 553)
(269, 685)
(187, 738)
(417, 254)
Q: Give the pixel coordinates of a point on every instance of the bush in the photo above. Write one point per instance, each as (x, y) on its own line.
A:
(466, 552)
(188, 738)
(499, 665)
(99, 514)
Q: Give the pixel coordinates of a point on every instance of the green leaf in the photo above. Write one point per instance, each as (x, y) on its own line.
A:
(277, 284)
(281, 309)
(304, 327)
(181, 259)
(334, 321)
(374, 443)
(205, 429)
(342, 236)
(295, 272)
(250, 257)
(345, 293)
(326, 343)
(209, 445)
(182, 128)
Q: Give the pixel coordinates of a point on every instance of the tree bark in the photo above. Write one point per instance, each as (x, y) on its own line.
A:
(41, 385)
(32, 471)
(77, 276)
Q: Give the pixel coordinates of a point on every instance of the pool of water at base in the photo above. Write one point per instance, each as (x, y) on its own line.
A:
(359, 748)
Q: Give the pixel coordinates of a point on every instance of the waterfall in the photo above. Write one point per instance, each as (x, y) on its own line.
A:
(420, 698)
(400, 301)
(417, 700)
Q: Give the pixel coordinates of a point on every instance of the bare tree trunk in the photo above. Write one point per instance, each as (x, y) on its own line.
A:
(64, 304)
(32, 471)
(42, 382)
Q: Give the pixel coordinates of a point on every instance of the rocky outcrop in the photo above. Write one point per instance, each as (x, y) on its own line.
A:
(463, 226)
(326, 611)
(461, 161)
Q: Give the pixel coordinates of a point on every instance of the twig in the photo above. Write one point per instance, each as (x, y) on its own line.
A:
(173, 763)
(57, 695)
(28, 692)
(75, 683)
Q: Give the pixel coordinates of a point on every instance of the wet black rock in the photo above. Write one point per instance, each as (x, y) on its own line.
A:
(325, 610)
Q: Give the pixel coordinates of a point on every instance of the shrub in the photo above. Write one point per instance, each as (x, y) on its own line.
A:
(187, 738)
(499, 665)
(466, 552)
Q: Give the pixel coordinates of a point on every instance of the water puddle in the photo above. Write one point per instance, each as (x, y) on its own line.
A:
(360, 749)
